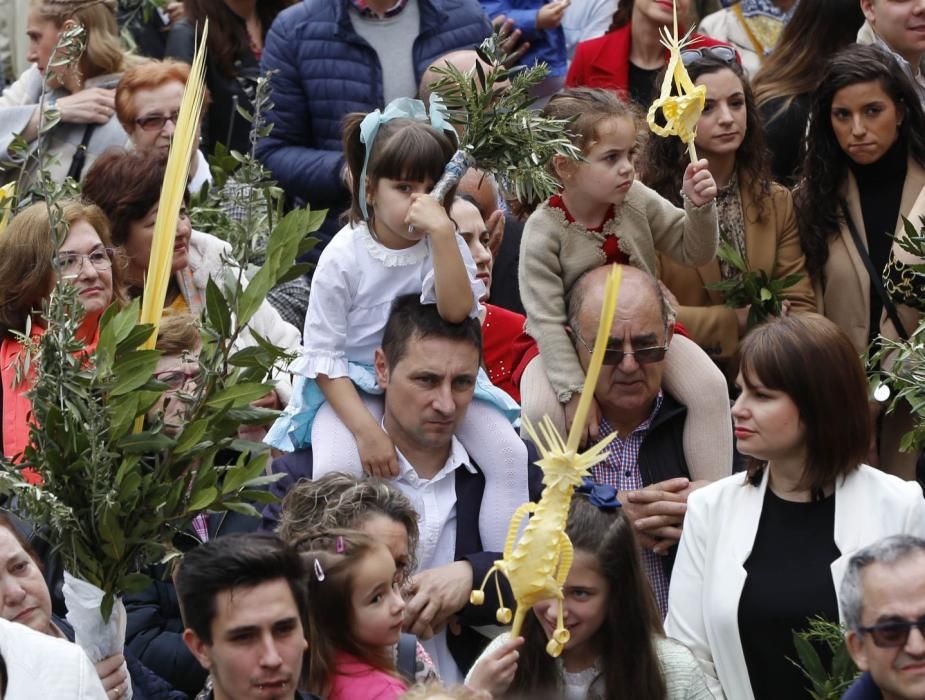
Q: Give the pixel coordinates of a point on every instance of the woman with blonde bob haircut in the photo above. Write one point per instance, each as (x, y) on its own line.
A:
(29, 264)
(82, 94)
(764, 552)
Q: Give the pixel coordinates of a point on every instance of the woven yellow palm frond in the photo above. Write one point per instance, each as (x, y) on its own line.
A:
(681, 111)
(175, 180)
(537, 564)
(8, 195)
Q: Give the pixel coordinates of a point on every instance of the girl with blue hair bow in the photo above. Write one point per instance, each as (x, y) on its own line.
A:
(398, 241)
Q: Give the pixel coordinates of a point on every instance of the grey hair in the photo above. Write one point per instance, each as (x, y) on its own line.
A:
(338, 501)
(889, 550)
(576, 299)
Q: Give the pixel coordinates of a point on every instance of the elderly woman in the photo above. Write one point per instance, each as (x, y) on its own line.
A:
(25, 599)
(765, 551)
(864, 171)
(148, 100)
(83, 94)
(126, 185)
(29, 264)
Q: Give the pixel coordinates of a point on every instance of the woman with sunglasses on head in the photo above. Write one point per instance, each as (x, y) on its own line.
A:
(764, 552)
(784, 85)
(755, 215)
(627, 59)
(30, 265)
(82, 93)
(864, 171)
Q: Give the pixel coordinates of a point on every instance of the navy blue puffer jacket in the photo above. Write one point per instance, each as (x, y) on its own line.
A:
(325, 71)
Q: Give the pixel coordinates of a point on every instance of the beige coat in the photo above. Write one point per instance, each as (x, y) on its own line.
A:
(772, 245)
(555, 253)
(845, 299)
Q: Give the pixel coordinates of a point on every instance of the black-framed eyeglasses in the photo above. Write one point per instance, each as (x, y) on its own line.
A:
(72, 263)
(726, 54)
(615, 353)
(176, 378)
(155, 122)
(894, 633)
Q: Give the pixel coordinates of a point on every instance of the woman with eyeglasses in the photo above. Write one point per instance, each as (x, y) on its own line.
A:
(755, 215)
(784, 85)
(82, 94)
(627, 59)
(30, 264)
(764, 552)
(863, 172)
(148, 100)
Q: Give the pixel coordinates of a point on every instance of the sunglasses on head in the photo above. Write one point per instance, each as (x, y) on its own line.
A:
(726, 54)
(894, 633)
(614, 353)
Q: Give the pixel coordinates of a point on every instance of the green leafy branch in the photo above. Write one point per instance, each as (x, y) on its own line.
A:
(827, 683)
(752, 288)
(500, 131)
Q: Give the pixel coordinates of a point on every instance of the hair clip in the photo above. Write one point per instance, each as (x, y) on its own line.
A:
(319, 572)
(339, 544)
(603, 496)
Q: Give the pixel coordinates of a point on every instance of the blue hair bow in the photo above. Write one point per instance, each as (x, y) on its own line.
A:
(603, 496)
(400, 108)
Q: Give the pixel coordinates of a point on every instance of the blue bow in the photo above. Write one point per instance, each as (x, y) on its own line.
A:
(400, 108)
(603, 496)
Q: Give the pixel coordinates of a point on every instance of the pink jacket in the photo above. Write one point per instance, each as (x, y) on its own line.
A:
(357, 679)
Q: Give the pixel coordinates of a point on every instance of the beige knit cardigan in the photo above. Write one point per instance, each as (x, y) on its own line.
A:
(555, 253)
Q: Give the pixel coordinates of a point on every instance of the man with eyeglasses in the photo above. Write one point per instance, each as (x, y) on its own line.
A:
(646, 462)
(883, 605)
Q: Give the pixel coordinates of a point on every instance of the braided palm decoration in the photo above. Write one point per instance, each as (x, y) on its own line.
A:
(537, 564)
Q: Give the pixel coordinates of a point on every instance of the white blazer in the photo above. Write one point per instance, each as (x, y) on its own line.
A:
(719, 531)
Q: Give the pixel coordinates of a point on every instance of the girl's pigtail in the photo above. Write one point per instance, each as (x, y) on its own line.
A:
(354, 154)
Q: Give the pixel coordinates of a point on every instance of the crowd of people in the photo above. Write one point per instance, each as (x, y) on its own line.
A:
(752, 484)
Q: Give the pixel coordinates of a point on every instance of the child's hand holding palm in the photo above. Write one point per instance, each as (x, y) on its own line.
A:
(428, 216)
(698, 184)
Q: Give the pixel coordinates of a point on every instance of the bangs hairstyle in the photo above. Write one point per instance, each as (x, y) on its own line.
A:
(404, 149)
(662, 165)
(813, 362)
(825, 164)
(27, 270)
(104, 52)
(331, 614)
(149, 75)
(626, 639)
(125, 185)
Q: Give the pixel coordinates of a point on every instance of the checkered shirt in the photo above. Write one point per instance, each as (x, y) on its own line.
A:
(621, 470)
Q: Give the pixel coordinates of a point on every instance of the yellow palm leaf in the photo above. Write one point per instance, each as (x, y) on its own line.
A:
(7, 197)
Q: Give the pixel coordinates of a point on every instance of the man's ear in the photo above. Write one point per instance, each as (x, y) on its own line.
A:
(198, 648)
(381, 365)
(669, 334)
(867, 7)
(857, 650)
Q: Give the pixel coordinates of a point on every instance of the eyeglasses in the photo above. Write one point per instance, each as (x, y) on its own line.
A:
(155, 122)
(894, 633)
(176, 378)
(70, 264)
(614, 355)
(726, 54)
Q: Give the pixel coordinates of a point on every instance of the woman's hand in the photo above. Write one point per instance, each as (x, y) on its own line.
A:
(114, 676)
(175, 11)
(593, 429)
(428, 216)
(698, 184)
(494, 672)
(377, 453)
(90, 106)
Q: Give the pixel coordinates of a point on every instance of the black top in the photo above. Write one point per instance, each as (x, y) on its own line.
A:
(642, 85)
(788, 582)
(785, 131)
(880, 186)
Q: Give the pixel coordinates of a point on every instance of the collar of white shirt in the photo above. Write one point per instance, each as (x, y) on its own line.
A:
(458, 458)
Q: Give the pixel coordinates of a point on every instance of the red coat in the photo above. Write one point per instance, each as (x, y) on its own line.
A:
(507, 349)
(604, 62)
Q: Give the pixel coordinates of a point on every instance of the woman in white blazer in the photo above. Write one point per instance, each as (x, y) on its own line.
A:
(764, 551)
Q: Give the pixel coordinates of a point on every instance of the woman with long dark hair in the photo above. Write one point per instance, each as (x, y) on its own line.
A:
(755, 215)
(787, 78)
(617, 648)
(863, 172)
(237, 29)
(630, 55)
